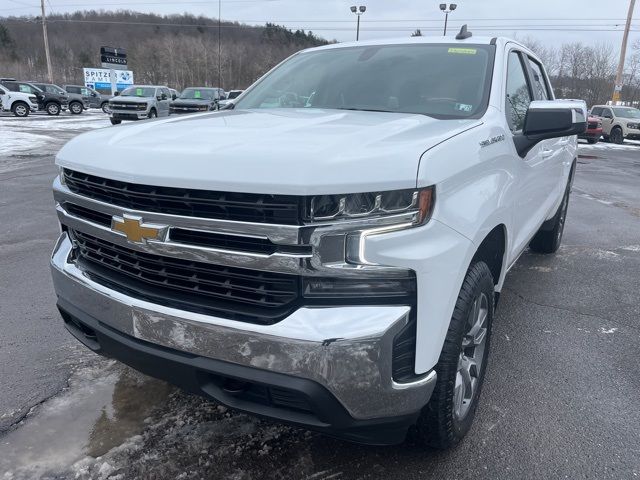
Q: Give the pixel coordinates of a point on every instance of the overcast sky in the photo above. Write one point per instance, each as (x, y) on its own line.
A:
(550, 21)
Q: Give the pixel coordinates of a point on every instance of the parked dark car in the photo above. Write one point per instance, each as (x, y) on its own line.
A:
(77, 103)
(53, 102)
(197, 99)
(96, 99)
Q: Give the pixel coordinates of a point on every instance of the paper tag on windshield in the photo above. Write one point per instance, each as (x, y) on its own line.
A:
(464, 107)
(197, 94)
(138, 92)
(463, 51)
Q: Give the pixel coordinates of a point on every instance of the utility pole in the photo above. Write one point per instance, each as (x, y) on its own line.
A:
(219, 44)
(623, 52)
(46, 42)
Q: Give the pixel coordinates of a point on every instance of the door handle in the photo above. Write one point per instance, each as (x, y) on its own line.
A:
(546, 153)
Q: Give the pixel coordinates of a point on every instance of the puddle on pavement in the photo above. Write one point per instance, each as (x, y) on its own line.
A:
(103, 406)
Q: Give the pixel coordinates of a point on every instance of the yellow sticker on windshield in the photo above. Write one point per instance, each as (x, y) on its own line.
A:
(463, 51)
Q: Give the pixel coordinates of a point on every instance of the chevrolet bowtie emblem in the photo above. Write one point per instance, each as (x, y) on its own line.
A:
(135, 230)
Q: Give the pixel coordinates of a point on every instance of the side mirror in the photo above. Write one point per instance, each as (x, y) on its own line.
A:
(174, 96)
(116, 93)
(163, 96)
(94, 94)
(547, 119)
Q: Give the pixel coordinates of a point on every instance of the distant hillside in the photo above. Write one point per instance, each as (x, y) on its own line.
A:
(177, 50)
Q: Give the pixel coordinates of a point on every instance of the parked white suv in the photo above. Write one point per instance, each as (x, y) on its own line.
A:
(18, 103)
(618, 123)
(140, 102)
(329, 252)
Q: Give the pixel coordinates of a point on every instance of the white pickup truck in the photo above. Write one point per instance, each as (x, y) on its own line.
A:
(18, 103)
(329, 252)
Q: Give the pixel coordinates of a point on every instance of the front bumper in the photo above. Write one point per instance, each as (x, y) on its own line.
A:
(336, 359)
(129, 115)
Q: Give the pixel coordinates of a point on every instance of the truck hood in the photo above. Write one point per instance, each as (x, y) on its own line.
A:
(179, 102)
(120, 99)
(277, 151)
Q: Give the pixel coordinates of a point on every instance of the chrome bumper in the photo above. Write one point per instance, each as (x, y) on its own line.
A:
(347, 350)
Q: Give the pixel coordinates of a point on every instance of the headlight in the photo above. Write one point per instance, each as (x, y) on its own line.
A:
(321, 208)
(632, 125)
(599, 124)
(142, 106)
(61, 175)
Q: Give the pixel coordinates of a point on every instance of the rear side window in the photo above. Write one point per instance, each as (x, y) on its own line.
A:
(73, 89)
(518, 96)
(539, 82)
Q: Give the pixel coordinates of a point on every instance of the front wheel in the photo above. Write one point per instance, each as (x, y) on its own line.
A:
(105, 107)
(616, 136)
(152, 114)
(461, 368)
(53, 108)
(114, 121)
(593, 140)
(76, 108)
(20, 109)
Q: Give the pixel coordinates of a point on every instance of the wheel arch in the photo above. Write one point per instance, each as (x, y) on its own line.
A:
(491, 250)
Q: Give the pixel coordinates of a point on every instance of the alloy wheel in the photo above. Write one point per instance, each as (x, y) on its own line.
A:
(471, 359)
(21, 111)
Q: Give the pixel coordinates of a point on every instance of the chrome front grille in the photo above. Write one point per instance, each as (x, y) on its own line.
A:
(239, 294)
(242, 207)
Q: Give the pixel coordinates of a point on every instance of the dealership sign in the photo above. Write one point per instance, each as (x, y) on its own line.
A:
(100, 78)
(112, 57)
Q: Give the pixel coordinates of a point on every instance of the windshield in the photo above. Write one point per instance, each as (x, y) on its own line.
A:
(198, 94)
(139, 92)
(627, 112)
(444, 81)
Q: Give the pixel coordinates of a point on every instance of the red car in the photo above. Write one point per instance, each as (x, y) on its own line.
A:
(594, 130)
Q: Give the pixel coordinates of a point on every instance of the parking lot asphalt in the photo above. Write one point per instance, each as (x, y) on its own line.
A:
(560, 398)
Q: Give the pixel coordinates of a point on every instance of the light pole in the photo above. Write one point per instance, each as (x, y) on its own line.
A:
(358, 11)
(447, 9)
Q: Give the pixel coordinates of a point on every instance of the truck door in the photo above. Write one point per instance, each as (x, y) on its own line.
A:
(535, 180)
(607, 121)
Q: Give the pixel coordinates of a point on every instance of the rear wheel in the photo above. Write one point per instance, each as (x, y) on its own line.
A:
(52, 108)
(20, 109)
(76, 108)
(549, 237)
(616, 136)
(461, 368)
(593, 140)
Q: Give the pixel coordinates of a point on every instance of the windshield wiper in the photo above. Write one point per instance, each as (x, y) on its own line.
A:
(364, 109)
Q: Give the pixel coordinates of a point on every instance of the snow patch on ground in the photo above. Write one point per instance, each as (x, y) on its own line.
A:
(608, 330)
(44, 134)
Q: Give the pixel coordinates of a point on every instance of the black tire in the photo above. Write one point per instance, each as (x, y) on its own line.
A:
(616, 136)
(20, 109)
(152, 113)
(76, 108)
(52, 108)
(115, 121)
(593, 140)
(105, 107)
(549, 237)
(439, 425)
